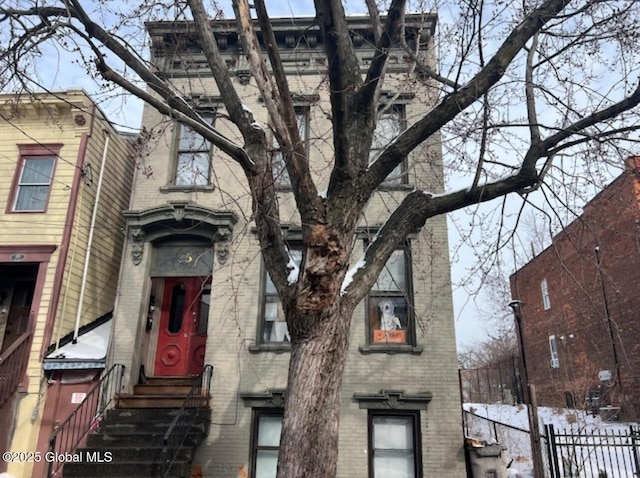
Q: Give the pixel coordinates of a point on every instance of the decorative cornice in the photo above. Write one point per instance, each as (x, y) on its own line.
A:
(296, 33)
(393, 400)
(180, 218)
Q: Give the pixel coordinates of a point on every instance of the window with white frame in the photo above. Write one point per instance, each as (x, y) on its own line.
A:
(280, 173)
(390, 124)
(546, 301)
(394, 445)
(553, 348)
(389, 312)
(193, 156)
(33, 185)
(266, 442)
(273, 324)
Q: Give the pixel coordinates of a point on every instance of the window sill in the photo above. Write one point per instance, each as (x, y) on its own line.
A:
(277, 348)
(390, 349)
(170, 188)
(395, 187)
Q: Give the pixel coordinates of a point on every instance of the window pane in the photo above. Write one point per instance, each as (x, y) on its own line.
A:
(192, 169)
(31, 198)
(176, 308)
(280, 173)
(269, 428)
(37, 171)
(274, 325)
(388, 320)
(393, 465)
(205, 302)
(389, 126)
(266, 463)
(392, 277)
(393, 433)
(192, 141)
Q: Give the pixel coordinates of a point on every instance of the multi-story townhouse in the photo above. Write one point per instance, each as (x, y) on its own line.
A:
(194, 291)
(580, 315)
(56, 151)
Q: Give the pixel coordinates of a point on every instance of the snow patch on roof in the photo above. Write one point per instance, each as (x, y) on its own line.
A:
(89, 346)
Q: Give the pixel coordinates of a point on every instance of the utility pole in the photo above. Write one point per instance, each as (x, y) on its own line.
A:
(529, 396)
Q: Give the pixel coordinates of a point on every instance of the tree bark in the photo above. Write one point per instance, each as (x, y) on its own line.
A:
(309, 441)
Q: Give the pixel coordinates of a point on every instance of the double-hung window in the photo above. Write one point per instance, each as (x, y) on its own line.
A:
(546, 300)
(390, 124)
(266, 442)
(273, 322)
(553, 349)
(280, 173)
(193, 157)
(389, 311)
(34, 177)
(394, 445)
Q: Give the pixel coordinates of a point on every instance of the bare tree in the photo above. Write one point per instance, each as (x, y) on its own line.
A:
(529, 92)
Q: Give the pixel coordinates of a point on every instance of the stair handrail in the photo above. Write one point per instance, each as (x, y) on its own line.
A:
(86, 417)
(175, 437)
(13, 363)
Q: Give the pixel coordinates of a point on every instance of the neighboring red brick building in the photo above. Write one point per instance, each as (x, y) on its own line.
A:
(581, 313)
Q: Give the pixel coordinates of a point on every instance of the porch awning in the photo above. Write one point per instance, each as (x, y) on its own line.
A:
(89, 351)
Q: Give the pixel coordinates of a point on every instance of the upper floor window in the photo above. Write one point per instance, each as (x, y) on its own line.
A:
(391, 122)
(389, 314)
(394, 445)
(193, 157)
(553, 348)
(266, 443)
(280, 173)
(273, 324)
(546, 301)
(34, 177)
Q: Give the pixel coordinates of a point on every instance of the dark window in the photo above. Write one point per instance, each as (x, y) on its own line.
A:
(205, 302)
(193, 157)
(394, 445)
(176, 308)
(389, 313)
(280, 174)
(266, 442)
(273, 325)
(390, 124)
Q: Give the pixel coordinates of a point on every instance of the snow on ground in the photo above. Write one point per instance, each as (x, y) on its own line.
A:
(589, 461)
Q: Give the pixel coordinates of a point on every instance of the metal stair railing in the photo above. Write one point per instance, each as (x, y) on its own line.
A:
(87, 416)
(177, 433)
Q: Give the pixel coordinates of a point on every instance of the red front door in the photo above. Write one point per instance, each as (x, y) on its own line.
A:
(183, 326)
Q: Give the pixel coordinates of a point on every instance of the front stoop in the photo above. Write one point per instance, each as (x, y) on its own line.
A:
(129, 440)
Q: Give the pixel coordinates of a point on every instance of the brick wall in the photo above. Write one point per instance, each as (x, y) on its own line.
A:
(594, 302)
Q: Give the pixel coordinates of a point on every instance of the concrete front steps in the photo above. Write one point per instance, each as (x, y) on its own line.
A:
(129, 441)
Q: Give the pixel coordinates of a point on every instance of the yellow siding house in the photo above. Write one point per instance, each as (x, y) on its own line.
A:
(65, 178)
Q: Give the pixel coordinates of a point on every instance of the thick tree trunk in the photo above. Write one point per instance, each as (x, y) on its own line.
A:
(309, 441)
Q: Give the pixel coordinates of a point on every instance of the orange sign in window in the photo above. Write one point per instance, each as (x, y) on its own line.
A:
(389, 336)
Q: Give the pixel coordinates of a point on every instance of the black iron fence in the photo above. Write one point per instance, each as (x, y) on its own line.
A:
(573, 453)
(69, 435)
(185, 423)
(594, 453)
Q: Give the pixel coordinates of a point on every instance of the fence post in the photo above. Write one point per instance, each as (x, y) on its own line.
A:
(635, 434)
(553, 452)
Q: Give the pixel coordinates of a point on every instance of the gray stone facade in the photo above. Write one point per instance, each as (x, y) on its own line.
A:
(247, 371)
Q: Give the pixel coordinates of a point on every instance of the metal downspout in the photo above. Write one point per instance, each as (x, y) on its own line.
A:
(90, 241)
